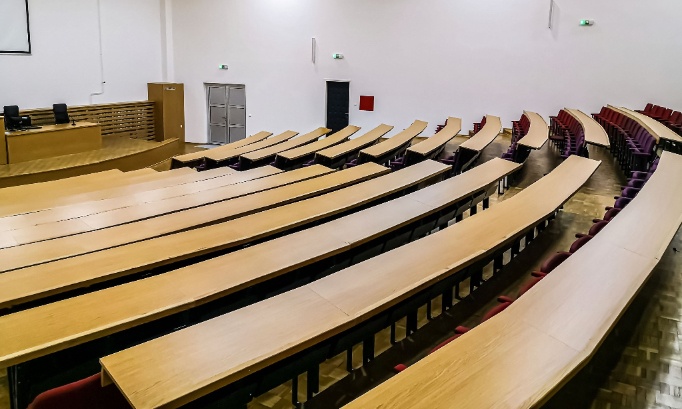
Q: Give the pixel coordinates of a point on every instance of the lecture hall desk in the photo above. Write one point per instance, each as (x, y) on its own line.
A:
(53, 140)
(532, 348)
(177, 368)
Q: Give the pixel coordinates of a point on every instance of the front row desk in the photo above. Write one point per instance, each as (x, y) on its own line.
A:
(48, 141)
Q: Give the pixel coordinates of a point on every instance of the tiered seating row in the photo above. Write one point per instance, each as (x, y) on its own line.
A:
(633, 145)
(294, 331)
(430, 205)
(470, 150)
(429, 148)
(666, 116)
(540, 340)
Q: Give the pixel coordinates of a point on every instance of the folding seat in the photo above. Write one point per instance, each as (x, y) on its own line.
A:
(459, 331)
(635, 183)
(621, 202)
(646, 109)
(504, 303)
(530, 284)
(665, 116)
(397, 163)
(579, 243)
(352, 163)
(674, 116)
(610, 214)
(554, 261)
(629, 192)
(594, 230)
(84, 394)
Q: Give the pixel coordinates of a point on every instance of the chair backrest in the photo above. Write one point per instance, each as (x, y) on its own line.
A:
(529, 284)
(12, 118)
(579, 243)
(84, 394)
(61, 114)
(621, 202)
(554, 261)
(495, 310)
(611, 213)
(597, 227)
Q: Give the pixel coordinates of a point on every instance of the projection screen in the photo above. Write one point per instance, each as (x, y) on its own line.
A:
(14, 29)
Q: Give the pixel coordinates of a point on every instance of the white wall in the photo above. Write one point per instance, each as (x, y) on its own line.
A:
(65, 63)
(426, 59)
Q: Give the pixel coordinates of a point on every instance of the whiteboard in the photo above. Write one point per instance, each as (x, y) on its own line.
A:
(14, 33)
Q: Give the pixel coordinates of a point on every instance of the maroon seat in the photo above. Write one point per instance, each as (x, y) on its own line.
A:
(84, 394)
(497, 309)
(610, 214)
(554, 261)
(579, 243)
(459, 331)
(596, 228)
(529, 284)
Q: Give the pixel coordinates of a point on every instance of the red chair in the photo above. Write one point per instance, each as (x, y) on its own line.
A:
(459, 331)
(596, 228)
(84, 394)
(554, 261)
(579, 243)
(530, 284)
(608, 215)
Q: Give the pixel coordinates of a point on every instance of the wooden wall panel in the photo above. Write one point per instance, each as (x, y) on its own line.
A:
(131, 119)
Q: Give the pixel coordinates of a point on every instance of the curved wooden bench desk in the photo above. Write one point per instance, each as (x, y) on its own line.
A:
(128, 209)
(337, 156)
(532, 348)
(185, 365)
(267, 155)
(294, 158)
(148, 192)
(88, 189)
(594, 133)
(196, 158)
(223, 208)
(216, 157)
(382, 152)
(33, 283)
(431, 147)
(470, 150)
(538, 133)
(665, 136)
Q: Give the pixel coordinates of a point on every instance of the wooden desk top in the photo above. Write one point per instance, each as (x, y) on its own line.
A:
(183, 183)
(351, 146)
(594, 133)
(222, 155)
(538, 133)
(90, 189)
(655, 128)
(36, 282)
(290, 144)
(487, 134)
(67, 186)
(448, 133)
(202, 211)
(311, 148)
(189, 157)
(562, 320)
(396, 141)
(88, 216)
(51, 128)
(357, 292)
(166, 294)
